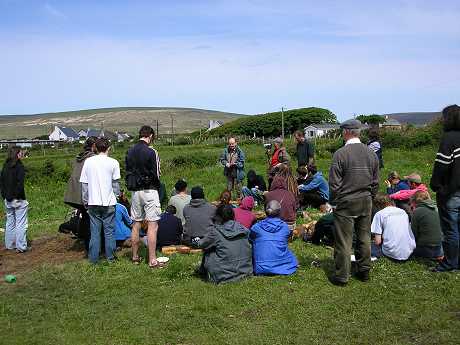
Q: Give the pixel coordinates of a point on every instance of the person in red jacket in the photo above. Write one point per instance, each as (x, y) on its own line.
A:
(280, 193)
(243, 214)
(402, 198)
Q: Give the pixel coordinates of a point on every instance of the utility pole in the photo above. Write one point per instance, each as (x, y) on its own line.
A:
(282, 123)
(158, 132)
(172, 129)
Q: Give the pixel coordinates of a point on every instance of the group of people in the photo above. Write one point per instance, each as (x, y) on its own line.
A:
(400, 223)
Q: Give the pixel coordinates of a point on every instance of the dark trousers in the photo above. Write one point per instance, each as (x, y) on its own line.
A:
(352, 216)
(429, 252)
(311, 198)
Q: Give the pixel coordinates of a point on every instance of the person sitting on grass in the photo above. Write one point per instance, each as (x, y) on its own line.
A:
(316, 192)
(123, 223)
(243, 214)
(256, 186)
(287, 200)
(402, 198)
(426, 227)
(180, 199)
(227, 252)
(302, 176)
(199, 216)
(169, 228)
(393, 236)
(395, 184)
(271, 254)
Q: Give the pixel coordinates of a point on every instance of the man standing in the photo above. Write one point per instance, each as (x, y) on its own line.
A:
(305, 151)
(100, 188)
(232, 159)
(353, 182)
(143, 179)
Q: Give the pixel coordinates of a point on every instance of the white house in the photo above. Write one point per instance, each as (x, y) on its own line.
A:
(320, 130)
(214, 124)
(61, 133)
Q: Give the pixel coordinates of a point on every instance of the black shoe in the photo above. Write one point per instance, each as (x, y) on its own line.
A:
(337, 282)
(363, 276)
(441, 269)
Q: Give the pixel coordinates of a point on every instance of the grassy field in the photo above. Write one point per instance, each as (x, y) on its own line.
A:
(77, 303)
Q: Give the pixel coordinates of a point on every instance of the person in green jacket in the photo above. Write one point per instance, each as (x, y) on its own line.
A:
(426, 227)
(227, 252)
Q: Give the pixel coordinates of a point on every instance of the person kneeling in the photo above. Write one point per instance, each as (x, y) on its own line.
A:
(227, 249)
(426, 227)
(271, 254)
(316, 192)
(392, 234)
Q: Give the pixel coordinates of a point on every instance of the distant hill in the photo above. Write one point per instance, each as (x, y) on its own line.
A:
(416, 119)
(127, 119)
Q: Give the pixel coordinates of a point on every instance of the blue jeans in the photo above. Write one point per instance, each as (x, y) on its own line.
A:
(430, 252)
(16, 224)
(101, 217)
(449, 215)
(254, 192)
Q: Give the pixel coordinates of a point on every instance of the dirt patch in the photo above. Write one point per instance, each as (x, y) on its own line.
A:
(56, 249)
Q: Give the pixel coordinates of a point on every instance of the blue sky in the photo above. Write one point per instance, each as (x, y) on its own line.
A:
(238, 56)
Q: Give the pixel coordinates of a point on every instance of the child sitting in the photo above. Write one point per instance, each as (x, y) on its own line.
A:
(392, 234)
(426, 227)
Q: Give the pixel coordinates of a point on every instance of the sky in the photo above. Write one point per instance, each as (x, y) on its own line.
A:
(352, 57)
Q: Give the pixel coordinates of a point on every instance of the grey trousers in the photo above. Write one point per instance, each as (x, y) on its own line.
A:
(352, 216)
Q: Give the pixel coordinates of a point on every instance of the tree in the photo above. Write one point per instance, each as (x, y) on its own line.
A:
(372, 119)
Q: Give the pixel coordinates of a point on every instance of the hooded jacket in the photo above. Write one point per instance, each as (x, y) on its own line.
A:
(73, 194)
(425, 224)
(12, 181)
(407, 194)
(243, 214)
(317, 183)
(279, 192)
(271, 254)
(228, 254)
(199, 219)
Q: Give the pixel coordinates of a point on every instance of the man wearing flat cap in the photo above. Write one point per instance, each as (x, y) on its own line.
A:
(353, 182)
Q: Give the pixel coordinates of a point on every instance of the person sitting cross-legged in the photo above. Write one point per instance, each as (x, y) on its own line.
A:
(243, 214)
(256, 186)
(180, 199)
(316, 192)
(393, 236)
(169, 228)
(227, 252)
(199, 216)
(271, 254)
(426, 227)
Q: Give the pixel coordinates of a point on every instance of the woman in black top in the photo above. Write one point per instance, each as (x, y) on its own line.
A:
(12, 190)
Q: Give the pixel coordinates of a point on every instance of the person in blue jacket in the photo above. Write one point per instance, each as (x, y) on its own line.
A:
(123, 223)
(316, 192)
(395, 184)
(270, 252)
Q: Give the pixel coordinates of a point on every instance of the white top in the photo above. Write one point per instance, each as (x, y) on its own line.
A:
(99, 172)
(393, 224)
(179, 202)
(374, 146)
(353, 141)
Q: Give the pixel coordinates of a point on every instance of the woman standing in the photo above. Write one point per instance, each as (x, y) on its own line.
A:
(12, 190)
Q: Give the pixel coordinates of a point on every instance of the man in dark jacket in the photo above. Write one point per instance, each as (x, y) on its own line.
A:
(73, 194)
(232, 159)
(256, 186)
(169, 228)
(199, 216)
(305, 151)
(353, 182)
(445, 181)
(426, 226)
(143, 179)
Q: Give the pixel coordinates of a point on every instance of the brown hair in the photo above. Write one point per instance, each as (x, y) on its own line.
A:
(299, 133)
(225, 197)
(420, 196)
(291, 183)
(382, 200)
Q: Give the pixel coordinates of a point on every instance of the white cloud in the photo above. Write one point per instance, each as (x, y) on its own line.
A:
(53, 11)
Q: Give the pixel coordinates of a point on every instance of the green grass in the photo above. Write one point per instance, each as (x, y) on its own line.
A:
(78, 303)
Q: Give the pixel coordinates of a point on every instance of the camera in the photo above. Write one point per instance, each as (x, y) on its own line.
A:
(268, 146)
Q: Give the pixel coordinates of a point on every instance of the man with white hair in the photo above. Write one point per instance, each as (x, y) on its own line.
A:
(232, 159)
(353, 182)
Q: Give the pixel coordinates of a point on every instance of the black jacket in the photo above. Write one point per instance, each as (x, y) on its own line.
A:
(259, 181)
(445, 179)
(142, 167)
(12, 181)
(169, 230)
(304, 152)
